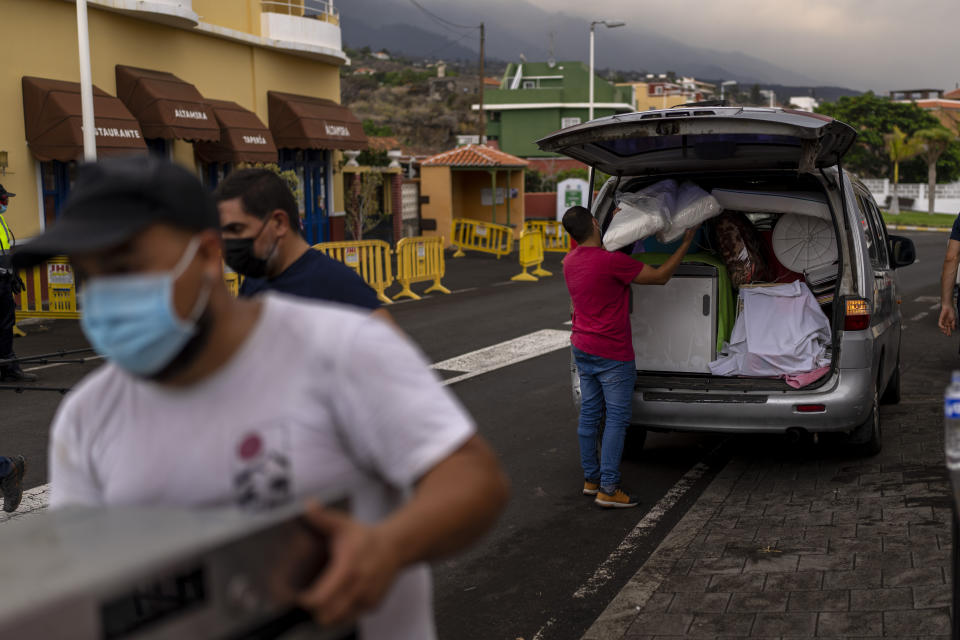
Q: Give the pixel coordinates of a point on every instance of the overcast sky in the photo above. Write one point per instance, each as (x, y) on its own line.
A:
(861, 44)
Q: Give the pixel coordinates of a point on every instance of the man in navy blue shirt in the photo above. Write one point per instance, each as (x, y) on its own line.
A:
(948, 280)
(260, 222)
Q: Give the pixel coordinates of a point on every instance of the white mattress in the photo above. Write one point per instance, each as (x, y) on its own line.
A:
(802, 203)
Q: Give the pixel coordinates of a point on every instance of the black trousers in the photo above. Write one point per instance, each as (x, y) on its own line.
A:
(7, 318)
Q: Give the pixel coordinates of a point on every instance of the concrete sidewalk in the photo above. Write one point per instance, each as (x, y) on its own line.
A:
(820, 545)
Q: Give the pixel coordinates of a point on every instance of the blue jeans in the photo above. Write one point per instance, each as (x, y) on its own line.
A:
(604, 383)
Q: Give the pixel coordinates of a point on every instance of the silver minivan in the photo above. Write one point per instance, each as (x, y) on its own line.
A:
(767, 162)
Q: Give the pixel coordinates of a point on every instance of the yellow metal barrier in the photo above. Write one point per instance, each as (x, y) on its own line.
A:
(419, 260)
(51, 291)
(531, 255)
(369, 258)
(232, 280)
(555, 237)
(481, 236)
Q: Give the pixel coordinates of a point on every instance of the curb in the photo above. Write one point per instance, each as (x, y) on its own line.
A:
(903, 227)
(34, 500)
(616, 619)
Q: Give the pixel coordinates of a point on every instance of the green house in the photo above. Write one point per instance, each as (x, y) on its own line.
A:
(537, 98)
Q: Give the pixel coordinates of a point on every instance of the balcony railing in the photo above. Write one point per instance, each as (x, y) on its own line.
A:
(318, 9)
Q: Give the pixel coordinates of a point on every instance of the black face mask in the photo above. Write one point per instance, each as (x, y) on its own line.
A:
(239, 256)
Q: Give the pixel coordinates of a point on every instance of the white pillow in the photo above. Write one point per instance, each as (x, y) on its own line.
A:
(641, 214)
(694, 207)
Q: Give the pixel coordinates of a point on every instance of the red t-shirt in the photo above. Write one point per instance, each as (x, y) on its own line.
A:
(599, 285)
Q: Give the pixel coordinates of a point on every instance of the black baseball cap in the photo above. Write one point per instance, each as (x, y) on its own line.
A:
(4, 193)
(116, 198)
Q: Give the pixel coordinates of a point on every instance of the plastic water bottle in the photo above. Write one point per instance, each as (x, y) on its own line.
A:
(951, 423)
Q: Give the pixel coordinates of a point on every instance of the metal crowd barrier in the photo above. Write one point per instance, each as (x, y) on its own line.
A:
(51, 291)
(420, 259)
(369, 258)
(555, 237)
(531, 255)
(487, 237)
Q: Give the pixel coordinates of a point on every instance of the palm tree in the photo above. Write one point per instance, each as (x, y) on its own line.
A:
(899, 148)
(935, 141)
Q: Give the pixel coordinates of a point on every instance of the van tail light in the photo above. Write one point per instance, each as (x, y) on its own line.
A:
(811, 408)
(857, 317)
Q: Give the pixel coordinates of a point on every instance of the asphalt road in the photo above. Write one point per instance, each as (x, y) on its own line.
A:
(520, 581)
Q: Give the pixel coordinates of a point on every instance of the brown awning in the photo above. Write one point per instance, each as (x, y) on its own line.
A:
(165, 105)
(53, 118)
(302, 122)
(243, 136)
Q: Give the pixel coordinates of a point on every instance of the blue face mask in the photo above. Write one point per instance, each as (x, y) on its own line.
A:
(3, 208)
(131, 319)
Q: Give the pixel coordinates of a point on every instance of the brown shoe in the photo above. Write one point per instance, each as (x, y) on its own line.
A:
(12, 484)
(618, 499)
(590, 488)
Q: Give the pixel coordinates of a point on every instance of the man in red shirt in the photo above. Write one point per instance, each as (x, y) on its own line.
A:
(599, 284)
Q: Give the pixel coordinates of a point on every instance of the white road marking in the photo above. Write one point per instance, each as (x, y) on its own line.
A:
(934, 307)
(614, 561)
(34, 500)
(919, 316)
(60, 364)
(504, 354)
(568, 322)
(927, 299)
(503, 284)
(507, 352)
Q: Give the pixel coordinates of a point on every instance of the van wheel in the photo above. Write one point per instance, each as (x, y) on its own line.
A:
(633, 443)
(892, 394)
(865, 440)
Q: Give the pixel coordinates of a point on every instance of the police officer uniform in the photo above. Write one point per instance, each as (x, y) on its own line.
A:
(9, 285)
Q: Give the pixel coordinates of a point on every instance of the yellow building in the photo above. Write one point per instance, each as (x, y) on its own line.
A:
(476, 182)
(208, 83)
(656, 95)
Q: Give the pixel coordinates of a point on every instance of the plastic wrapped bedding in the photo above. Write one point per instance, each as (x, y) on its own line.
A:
(640, 214)
(781, 331)
(694, 206)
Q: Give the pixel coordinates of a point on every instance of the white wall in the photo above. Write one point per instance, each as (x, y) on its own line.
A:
(947, 198)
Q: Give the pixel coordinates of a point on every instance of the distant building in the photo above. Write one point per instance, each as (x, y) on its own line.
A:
(660, 93)
(952, 95)
(902, 95)
(945, 107)
(441, 69)
(381, 55)
(804, 103)
(364, 71)
(537, 98)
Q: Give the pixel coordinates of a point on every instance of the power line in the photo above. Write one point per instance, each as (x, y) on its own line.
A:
(442, 20)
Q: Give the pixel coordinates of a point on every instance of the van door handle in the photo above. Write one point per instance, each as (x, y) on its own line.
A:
(706, 305)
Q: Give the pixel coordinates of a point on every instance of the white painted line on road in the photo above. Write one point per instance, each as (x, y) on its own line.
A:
(927, 299)
(60, 364)
(568, 322)
(508, 352)
(34, 500)
(503, 284)
(934, 307)
(919, 316)
(614, 561)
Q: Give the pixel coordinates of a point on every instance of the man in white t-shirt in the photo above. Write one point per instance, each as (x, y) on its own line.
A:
(207, 400)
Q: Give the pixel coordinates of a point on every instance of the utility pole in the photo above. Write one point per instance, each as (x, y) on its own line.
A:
(480, 82)
(86, 84)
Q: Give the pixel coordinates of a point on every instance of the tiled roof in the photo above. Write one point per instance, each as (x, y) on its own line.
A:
(934, 103)
(952, 95)
(475, 155)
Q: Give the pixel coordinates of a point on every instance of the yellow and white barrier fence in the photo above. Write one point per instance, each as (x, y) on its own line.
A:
(555, 237)
(420, 259)
(477, 235)
(369, 258)
(51, 291)
(531, 255)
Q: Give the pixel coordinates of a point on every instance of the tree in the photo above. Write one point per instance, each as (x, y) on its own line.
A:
(755, 96)
(899, 147)
(873, 117)
(363, 207)
(934, 143)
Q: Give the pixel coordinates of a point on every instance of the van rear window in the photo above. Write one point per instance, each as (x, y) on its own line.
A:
(707, 144)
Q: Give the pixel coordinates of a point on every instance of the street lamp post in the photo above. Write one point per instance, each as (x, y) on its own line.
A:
(725, 84)
(609, 25)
